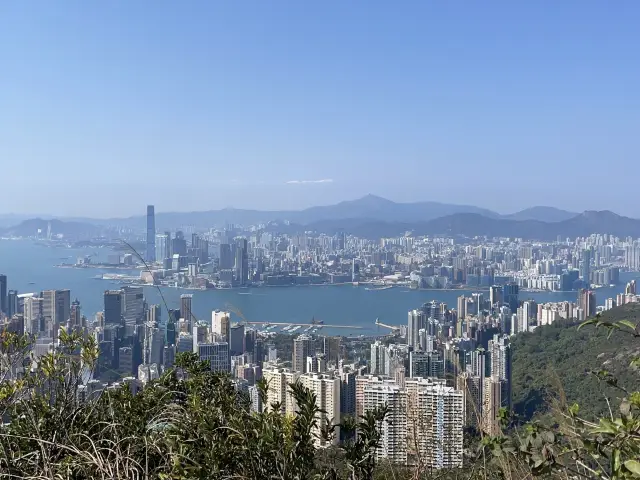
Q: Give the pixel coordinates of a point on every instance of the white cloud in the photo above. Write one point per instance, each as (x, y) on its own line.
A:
(302, 182)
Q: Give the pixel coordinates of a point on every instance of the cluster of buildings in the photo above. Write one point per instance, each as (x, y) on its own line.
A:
(257, 255)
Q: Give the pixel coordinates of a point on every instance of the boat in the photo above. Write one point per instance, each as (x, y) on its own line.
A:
(383, 287)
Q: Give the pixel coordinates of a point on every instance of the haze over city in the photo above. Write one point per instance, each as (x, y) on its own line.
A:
(106, 107)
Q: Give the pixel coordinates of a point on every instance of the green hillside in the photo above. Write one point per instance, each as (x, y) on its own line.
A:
(554, 362)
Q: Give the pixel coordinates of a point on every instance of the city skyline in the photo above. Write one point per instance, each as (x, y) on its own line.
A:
(303, 105)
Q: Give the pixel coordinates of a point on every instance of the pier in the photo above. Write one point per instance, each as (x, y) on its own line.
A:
(304, 324)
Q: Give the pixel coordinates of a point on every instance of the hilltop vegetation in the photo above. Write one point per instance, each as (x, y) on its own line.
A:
(193, 423)
(560, 365)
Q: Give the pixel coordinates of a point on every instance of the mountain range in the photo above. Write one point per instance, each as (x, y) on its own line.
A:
(370, 207)
(369, 217)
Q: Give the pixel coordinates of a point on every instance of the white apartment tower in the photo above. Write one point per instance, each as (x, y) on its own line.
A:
(278, 392)
(327, 391)
(439, 428)
(393, 441)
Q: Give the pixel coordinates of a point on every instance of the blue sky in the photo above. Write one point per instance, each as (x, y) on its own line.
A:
(108, 106)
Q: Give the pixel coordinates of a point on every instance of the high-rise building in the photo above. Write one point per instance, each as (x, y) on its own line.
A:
(3, 293)
(331, 349)
(417, 320)
(56, 306)
(221, 324)
(471, 388)
(113, 307)
(510, 296)
(462, 307)
(217, 353)
(179, 244)
(75, 317)
(393, 431)
(316, 364)
(630, 289)
(12, 303)
(303, 347)
(185, 308)
(425, 364)
(499, 352)
(153, 345)
(327, 392)
(33, 315)
(133, 305)
(495, 395)
(225, 257)
(237, 339)
(347, 392)
(163, 247)
(587, 302)
(495, 296)
(242, 262)
(439, 424)
(585, 267)
(278, 392)
(151, 234)
(379, 356)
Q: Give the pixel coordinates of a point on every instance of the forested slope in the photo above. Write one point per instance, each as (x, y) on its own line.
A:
(556, 363)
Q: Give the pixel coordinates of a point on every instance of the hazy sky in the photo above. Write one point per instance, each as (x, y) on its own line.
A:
(108, 106)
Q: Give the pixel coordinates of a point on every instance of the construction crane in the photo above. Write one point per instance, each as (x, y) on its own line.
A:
(393, 328)
(233, 309)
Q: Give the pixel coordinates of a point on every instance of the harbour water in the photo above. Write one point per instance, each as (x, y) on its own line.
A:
(32, 268)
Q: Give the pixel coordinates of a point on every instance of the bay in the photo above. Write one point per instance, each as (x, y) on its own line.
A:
(32, 268)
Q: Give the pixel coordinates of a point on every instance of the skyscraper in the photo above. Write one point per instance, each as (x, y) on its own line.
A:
(242, 262)
(185, 307)
(33, 318)
(12, 303)
(327, 392)
(393, 432)
(163, 247)
(226, 257)
(221, 324)
(133, 305)
(217, 353)
(499, 352)
(585, 267)
(495, 395)
(510, 296)
(57, 306)
(439, 436)
(495, 296)
(462, 307)
(113, 307)
(303, 347)
(151, 234)
(417, 319)
(75, 317)
(279, 393)
(587, 301)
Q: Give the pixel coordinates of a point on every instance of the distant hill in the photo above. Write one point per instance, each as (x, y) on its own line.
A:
(72, 230)
(473, 224)
(369, 207)
(458, 224)
(542, 214)
(553, 363)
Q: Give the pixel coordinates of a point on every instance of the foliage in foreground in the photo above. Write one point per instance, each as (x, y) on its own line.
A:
(194, 424)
